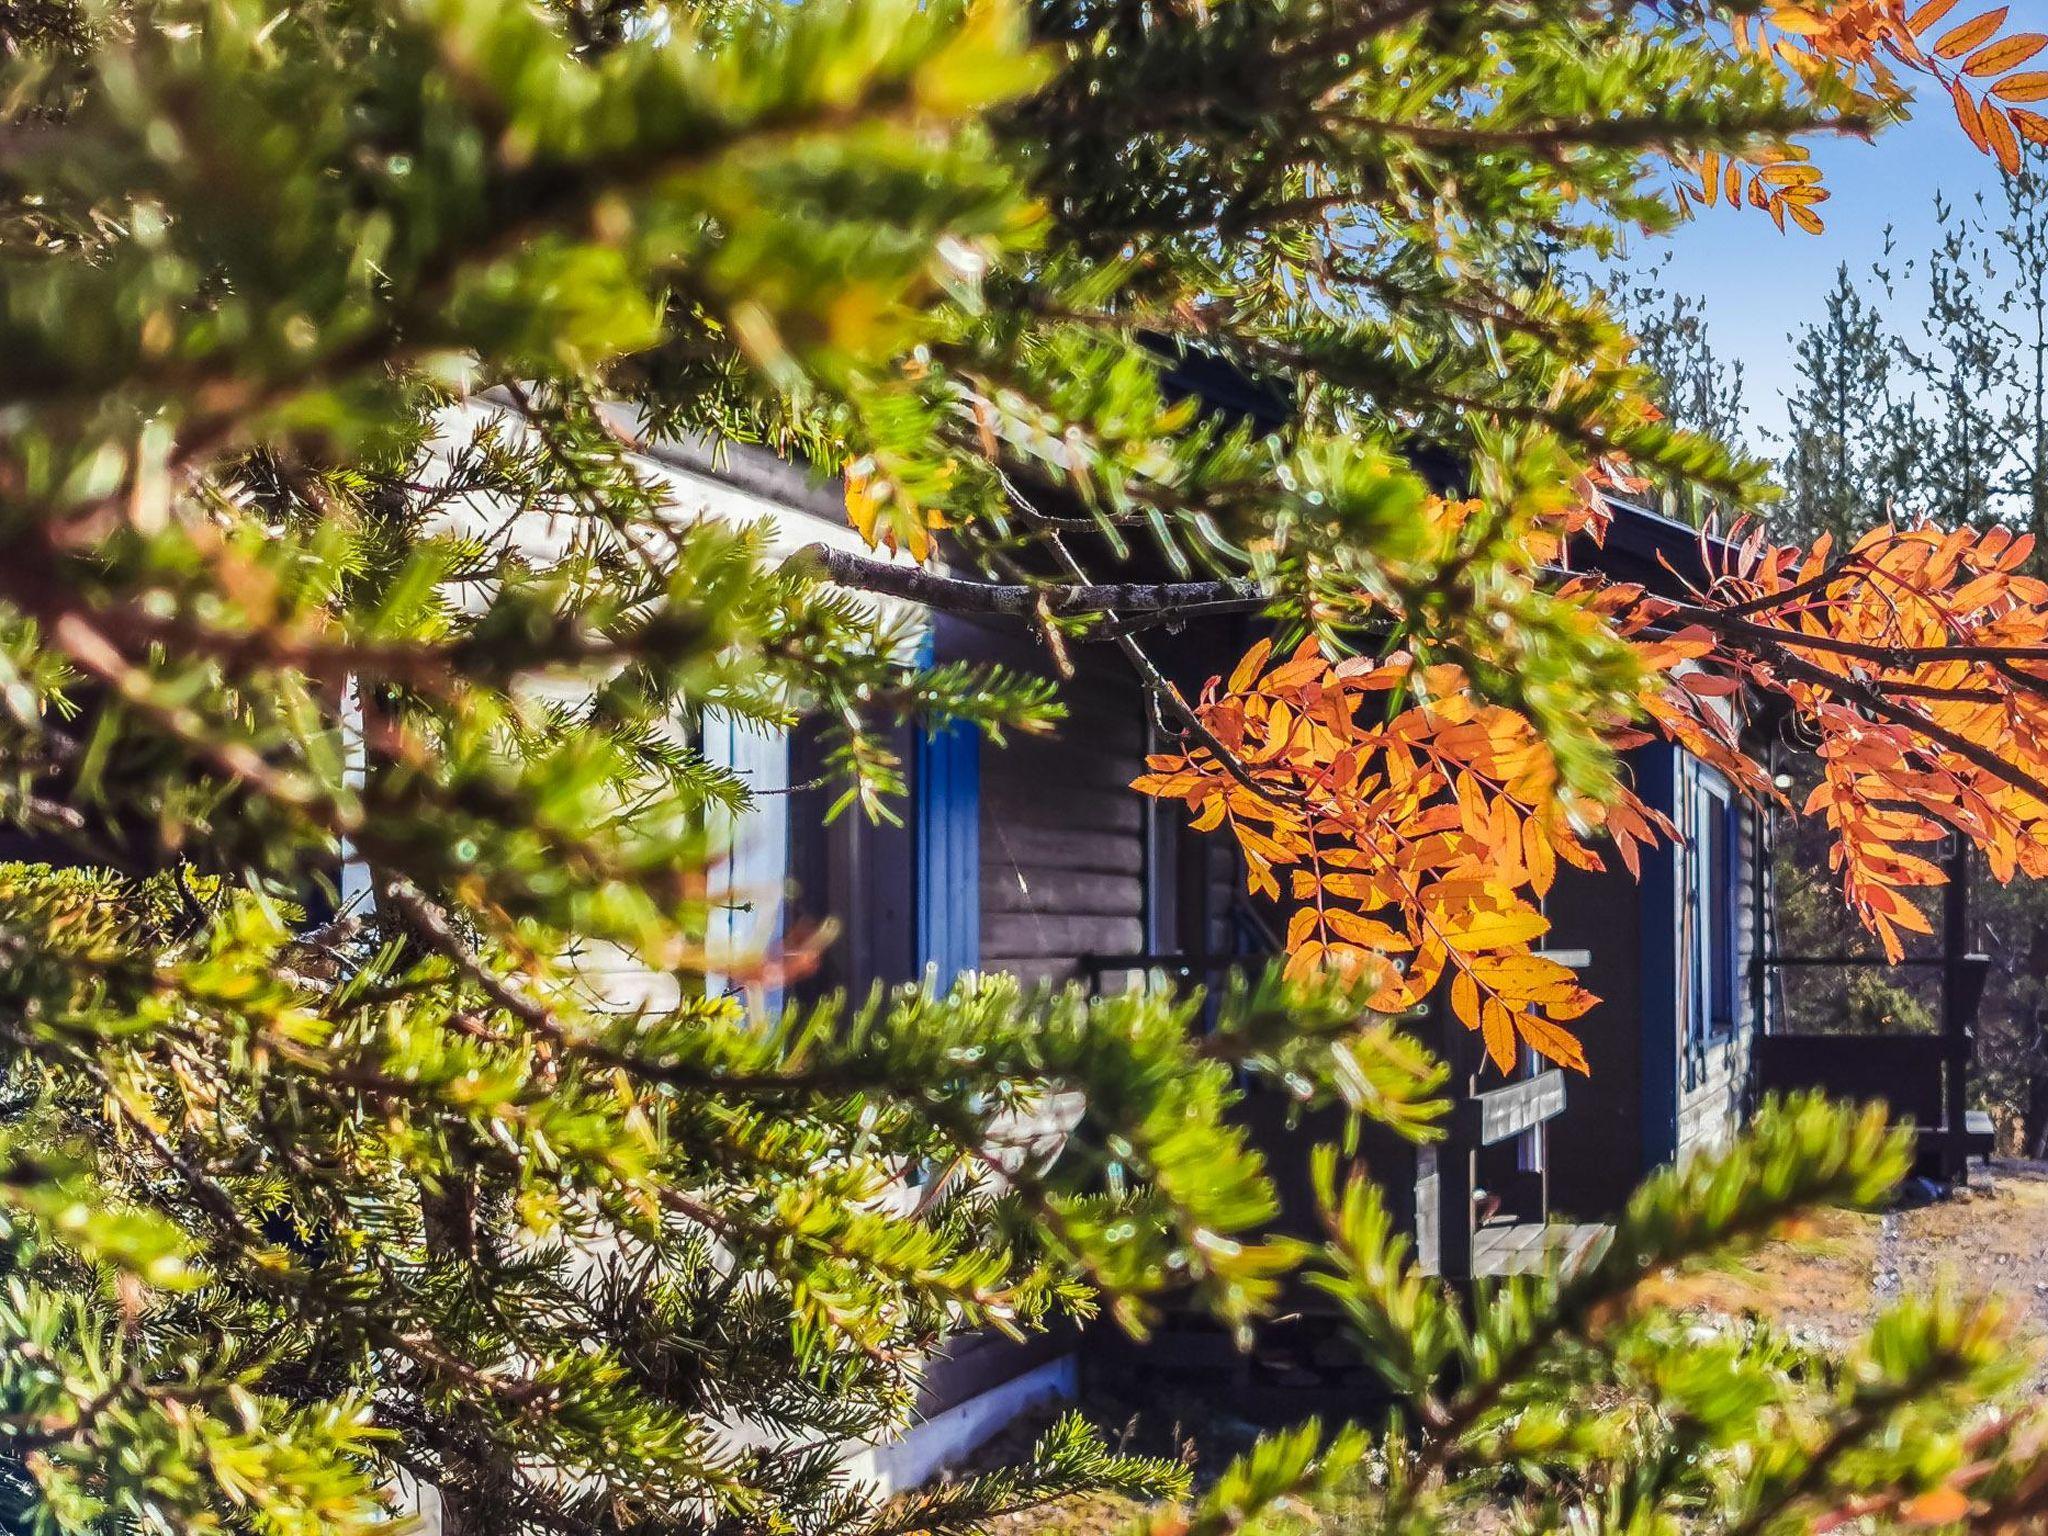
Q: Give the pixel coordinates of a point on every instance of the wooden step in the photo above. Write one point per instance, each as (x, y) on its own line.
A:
(1537, 1247)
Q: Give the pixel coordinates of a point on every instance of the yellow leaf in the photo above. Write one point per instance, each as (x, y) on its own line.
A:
(1929, 14)
(1472, 931)
(865, 494)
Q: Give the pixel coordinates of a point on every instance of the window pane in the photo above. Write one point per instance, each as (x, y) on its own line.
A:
(1720, 914)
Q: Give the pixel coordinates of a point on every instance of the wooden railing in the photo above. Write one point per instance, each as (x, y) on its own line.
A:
(1445, 1176)
(1909, 1074)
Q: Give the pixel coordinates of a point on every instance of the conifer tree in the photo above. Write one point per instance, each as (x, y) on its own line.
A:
(1694, 386)
(314, 1217)
(1921, 395)
(1850, 459)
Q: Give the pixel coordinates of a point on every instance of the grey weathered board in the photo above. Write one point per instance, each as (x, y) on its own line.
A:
(1510, 1110)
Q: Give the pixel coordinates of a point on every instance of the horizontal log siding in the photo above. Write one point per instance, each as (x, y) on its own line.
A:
(1062, 833)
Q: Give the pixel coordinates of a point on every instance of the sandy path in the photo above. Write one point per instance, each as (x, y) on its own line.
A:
(1991, 1239)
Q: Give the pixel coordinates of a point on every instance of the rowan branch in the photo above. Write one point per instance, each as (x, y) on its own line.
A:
(1876, 652)
(1869, 697)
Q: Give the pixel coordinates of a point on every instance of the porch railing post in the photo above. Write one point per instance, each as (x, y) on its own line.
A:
(1958, 1007)
(1456, 1154)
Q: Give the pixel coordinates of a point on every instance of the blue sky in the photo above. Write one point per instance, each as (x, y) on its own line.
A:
(1760, 285)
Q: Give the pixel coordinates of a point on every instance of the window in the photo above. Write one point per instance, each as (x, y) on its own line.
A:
(748, 879)
(1711, 918)
(900, 897)
(946, 784)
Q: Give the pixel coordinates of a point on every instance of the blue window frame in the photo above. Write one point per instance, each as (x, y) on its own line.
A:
(946, 781)
(1712, 859)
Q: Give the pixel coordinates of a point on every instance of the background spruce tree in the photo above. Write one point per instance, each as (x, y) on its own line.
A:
(1851, 457)
(310, 1221)
(1694, 386)
(1921, 392)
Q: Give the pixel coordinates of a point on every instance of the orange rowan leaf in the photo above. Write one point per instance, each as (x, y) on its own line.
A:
(1433, 832)
(1301, 926)
(1527, 978)
(1797, 20)
(2005, 145)
(1248, 669)
(2006, 53)
(1805, 218)
(1498, 1027)
(2030, 84)
(1478, 930)
(1465, 999)
(1967, 115)
(1927, 15)
(1368, 933)
(1556, 1044)
(1789, 174)
(1960, 40)
(1584, 1002)
(1539, 857)
(1304, 961)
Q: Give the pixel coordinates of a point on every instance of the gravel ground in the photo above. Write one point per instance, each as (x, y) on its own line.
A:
(1829, 1279)
(1990, 1239)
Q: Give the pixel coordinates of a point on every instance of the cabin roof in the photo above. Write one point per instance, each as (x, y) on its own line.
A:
(1663, 555)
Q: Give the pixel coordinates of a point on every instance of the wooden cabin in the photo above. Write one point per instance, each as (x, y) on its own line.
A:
(1037, 859)
(1677, 957)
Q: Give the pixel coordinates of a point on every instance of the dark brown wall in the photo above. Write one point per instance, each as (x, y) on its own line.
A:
(1596, 1145)
(1062, 832)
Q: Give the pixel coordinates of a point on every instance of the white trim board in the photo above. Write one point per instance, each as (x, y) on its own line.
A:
(947, 1439)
